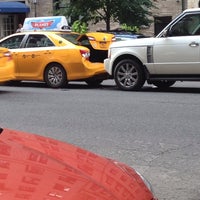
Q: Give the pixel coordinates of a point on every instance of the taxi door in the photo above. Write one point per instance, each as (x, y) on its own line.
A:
(13, 43)
(32, 58)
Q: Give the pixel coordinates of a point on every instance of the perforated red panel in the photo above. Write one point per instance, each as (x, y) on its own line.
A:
(33, 167)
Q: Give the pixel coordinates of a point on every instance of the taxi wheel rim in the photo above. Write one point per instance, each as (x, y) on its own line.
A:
(55, 75)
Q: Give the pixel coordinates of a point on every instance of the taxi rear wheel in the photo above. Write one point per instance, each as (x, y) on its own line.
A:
(55, 76)
(93, 82)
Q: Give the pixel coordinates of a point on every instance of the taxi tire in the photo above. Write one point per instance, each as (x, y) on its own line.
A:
(93, 82)
(13, 83)
(55, 76)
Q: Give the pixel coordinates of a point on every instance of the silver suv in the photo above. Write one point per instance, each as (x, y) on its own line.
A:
(174, 55)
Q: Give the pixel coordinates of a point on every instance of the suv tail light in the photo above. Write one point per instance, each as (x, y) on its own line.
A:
(8, 54)
(85, 54)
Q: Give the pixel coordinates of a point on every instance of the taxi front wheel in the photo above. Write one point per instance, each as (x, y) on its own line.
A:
(55, 76)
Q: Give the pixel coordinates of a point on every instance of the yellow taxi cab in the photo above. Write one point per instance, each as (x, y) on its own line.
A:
(49, 57)
(6, 65)
(97, 42)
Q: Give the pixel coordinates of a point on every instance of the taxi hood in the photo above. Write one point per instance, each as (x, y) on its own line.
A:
(36, 167)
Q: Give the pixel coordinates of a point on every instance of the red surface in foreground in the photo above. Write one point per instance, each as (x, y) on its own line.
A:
(33, 167)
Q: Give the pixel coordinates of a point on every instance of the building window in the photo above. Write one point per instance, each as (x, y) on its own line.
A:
(160, 23)
(8, 25)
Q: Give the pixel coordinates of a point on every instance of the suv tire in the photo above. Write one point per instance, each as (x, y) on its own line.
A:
(129, 75)
(163, 84)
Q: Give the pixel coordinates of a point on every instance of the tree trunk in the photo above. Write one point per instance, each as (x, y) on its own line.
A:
(108, 24)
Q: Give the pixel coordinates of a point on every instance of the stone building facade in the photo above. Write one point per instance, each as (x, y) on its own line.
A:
(13, 12)
(166, 10)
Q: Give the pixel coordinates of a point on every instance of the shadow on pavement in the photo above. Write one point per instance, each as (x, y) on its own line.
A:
(108, 86)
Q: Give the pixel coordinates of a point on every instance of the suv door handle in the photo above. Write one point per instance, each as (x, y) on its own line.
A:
(194, 44)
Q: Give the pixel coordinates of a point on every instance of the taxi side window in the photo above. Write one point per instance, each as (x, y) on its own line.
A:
(38, 41)
(13, 42)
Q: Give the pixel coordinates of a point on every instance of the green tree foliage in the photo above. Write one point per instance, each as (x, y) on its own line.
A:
(79, 27)
(129, 12)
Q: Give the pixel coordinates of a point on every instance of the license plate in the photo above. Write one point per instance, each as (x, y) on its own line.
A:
(103, 44)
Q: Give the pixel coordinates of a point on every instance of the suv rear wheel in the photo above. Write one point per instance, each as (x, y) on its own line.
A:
(129, 75)
(163, 84)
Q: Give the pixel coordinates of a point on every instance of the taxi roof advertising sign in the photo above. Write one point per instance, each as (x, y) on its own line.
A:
(45, 23)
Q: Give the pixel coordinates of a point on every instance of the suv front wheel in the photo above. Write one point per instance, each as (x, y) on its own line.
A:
(129, 75)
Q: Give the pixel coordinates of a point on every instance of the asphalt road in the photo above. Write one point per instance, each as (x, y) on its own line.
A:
(155, 132)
